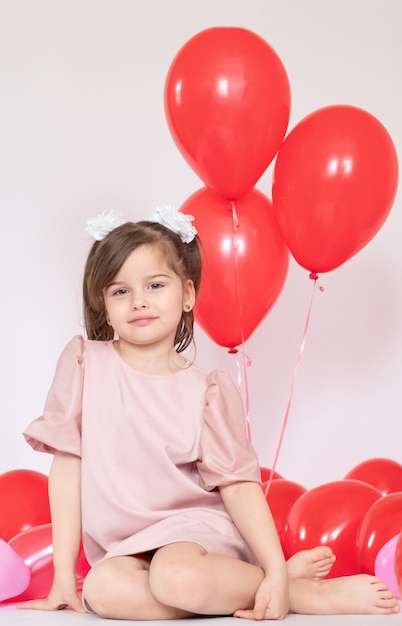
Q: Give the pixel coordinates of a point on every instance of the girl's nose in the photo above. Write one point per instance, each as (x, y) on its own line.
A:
(138, 301)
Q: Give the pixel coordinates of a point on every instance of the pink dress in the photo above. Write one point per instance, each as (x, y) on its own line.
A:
(153, 448)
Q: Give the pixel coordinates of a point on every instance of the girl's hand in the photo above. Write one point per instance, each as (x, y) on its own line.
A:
(271, 601)
(62, 594)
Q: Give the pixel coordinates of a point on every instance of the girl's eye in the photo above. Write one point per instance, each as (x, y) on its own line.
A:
(120, 292)
(153, 286)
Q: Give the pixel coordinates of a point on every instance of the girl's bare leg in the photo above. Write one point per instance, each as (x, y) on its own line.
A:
(309, 594)
(361, 594)
(185, 576)
(119, 588)
(184, 580)
(314, 564)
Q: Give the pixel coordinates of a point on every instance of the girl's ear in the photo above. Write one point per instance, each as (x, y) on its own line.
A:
(188, 296)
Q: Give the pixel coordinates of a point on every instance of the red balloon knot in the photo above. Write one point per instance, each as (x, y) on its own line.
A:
(314, 277)
(233, 351)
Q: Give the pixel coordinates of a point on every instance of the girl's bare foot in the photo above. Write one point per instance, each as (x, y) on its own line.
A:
(313, 564)
(360, 594)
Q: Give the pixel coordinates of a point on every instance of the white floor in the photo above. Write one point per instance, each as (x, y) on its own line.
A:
(10, 616)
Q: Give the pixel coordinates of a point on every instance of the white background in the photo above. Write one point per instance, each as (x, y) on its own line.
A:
(82, 129)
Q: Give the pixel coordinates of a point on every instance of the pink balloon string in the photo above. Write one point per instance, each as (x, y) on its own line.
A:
(246, 361)
(313, 277)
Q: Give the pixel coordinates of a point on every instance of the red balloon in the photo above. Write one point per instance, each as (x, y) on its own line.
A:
(398, 563)
(384, 474)
(330, 514)
(281, 496)
(35, 546)
(334, 183)
(24, 501)
(382, 521)
(227, 104)
(266, 474)
(244, 267)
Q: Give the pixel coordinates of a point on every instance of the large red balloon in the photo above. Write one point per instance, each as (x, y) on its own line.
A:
(384, 474)
(227, 104)
(330, 514)
(281, 496)
(382, 521)
(334, 183)
(24, 501)
(244, 267)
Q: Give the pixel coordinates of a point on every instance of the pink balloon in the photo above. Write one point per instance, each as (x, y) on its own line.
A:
(398, 563)
(35, 547)
(384, 566)
(14, 573)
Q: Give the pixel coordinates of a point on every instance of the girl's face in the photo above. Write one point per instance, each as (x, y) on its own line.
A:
(144, 304)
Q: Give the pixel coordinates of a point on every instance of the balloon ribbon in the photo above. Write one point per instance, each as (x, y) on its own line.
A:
(313, 277)
(246, 359)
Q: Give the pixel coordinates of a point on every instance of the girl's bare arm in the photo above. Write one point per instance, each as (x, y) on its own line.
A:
(65, 505)
(247, 506)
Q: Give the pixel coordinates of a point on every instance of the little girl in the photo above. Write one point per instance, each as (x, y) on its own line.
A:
(152, 464)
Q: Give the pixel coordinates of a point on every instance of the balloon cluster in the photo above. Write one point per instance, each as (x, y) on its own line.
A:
(26, 548)
(359, 517)
(227, 104)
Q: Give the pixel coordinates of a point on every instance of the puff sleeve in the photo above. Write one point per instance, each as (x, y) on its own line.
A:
(226, 454)
(59, 428)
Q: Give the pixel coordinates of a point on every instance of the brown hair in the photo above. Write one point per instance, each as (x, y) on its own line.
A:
(106, 258)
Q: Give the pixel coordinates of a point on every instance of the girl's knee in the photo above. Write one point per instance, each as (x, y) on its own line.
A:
(95, 591)
(176, 583)
(91, 590)
(117, 588)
